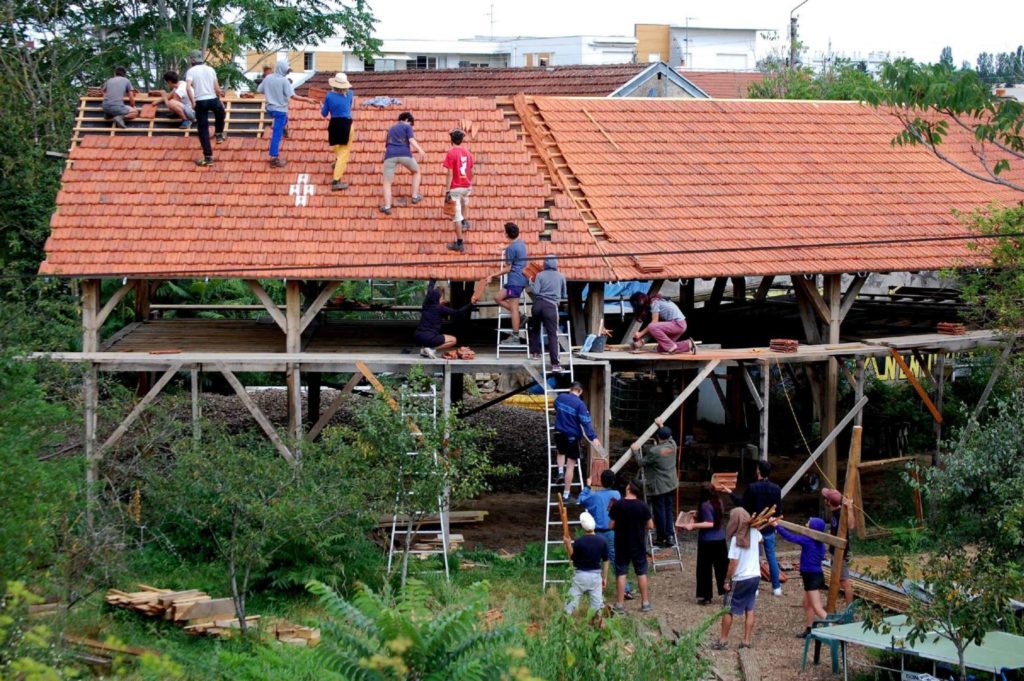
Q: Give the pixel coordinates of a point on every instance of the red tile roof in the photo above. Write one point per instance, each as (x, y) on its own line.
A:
(697, 188)
(579, 80)
(723, 84)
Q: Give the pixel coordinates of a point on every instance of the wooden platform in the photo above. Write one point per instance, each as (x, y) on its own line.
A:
(245, 117)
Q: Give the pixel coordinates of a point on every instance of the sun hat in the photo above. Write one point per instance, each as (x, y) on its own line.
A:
(587, 522)
(339, 81)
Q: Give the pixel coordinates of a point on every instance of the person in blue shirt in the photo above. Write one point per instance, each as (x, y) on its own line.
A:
(597, 504)
(338, 105)
(572, 423)
(812, 552)
(515, 263)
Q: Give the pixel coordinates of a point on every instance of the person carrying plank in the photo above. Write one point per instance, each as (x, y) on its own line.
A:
(572, 422)
(758, 496)
(835, 501)
(590, 560)
(811, 553)
(742, 576)
(658, 462)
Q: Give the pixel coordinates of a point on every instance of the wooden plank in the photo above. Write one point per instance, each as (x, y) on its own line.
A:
(830, 406)
(752, 388)
(922, 393)
(377, 385)
(824, 445)
(333, 408)
(268, 304)
(209, 609)
(712, 304)
(882, 463)
(671, 409)
(261, 419)
(318, 303)
(813, 297)
(118, 296)
(850, 297)
(749, 667)
(823, 537)
(108, 647)
(844, 517)
(763, 288)
(139, 408)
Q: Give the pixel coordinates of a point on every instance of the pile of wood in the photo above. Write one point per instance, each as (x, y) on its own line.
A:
(454, 518)
(951, 328)
(198, 614)
(873, 592)
(783, 345)
(434, 542)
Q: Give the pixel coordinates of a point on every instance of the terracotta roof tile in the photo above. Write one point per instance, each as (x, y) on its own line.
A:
(577, 80)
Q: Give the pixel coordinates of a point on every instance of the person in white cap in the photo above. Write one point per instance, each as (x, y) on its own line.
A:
(338, 105)
(590, 558)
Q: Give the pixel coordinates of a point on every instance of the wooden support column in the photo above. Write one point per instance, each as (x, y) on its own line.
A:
(634, 325)
(90, 391)
(763, 288)
(717, 291)
(739, 289)
(686, 296)
(807, 298)
(260, 417)
(858, 421)
(314, 383)
(143, 290)
(579, 326)
(196, 409)
(829, 439)
(594, 310)
(446, 410)
(293, 346)
(851, 480)
(599, 394)
(833, 293)
(136, 412)
(334, 406)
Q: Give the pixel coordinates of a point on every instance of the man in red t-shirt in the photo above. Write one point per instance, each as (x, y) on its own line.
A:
(458, 168)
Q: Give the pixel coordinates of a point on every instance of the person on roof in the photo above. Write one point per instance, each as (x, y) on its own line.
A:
(458, 168)
(515, 263)
(666, 323)
(428, 334)
(204, 92)
(658, 462)
(338, 105)
(177, 99)
(115, 91)
(572, 423)
(279, 90)
(398, 150)
(549, 290)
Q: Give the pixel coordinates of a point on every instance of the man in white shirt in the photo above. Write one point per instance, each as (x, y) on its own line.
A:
(205, 92)
(743, 576)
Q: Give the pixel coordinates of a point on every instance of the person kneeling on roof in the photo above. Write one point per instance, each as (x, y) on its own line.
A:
(667, 323)
(428, 334)
(177, 100)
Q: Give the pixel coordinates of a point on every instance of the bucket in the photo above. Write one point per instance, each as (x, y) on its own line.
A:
(598, 344)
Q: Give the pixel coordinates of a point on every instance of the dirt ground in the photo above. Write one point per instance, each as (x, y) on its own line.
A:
(512, 523)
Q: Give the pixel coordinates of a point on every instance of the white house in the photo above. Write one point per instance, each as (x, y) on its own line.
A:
(699, 47)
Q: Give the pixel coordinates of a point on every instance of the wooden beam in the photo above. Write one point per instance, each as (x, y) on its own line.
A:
(597, 404)
(812, 331)
(143, 289)
(576, 317)
(751, 387)
(377, 385)
(764, 288)
(813, 297)
(749, 665)
(593, 311)
(850, 297)
(940, 389)
(858, 496)
(333, 407)
(805, 466)
(90, 315)
(739, 289)
(912, 379)
(686, 296)
(996, 370)
(318, 304)
(717, 291)
(824, 537)
(922, 362)
(118, 296)
(261, 419)
(269, 305)
(669, 410)
(634, 325)
(139, 408)
(830, 406)
(884, 463)
(293, 345)
(849, 486)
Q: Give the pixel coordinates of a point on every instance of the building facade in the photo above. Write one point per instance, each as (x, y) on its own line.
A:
(698, 47)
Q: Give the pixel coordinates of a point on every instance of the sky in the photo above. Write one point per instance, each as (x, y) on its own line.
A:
(913, 28)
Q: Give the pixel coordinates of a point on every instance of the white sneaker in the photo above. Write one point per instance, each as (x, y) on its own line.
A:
(428, 353)
(777, 592)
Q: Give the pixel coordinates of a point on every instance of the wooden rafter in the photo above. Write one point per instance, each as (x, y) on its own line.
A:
(268, 304)
(257, 414)
(921, 392)
(134, 414)
(318, 304)
(333, 408)
(829, 439)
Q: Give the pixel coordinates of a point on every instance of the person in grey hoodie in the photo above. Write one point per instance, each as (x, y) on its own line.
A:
(548, 291)
(278, 90)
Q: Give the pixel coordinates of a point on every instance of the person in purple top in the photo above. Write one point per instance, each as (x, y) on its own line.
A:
(398, 150)
(812, 552)
(515, 263)
(712, 553)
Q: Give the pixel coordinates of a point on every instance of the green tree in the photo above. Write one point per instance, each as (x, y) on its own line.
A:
(946, 57)
(995, 294)
(844, 80)
(407, 636)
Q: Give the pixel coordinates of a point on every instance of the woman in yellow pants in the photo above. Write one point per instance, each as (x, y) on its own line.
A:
(338, 105)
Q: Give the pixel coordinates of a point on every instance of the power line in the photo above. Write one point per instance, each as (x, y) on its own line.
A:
(221, 272)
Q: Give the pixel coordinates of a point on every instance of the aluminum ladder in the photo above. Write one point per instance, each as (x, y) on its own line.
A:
(404, 531)
(503, 344)
(552, 518)
(675, 556)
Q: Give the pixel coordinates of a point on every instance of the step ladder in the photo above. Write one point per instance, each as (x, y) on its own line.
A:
(424, 407)
(556, 569)
(502, 343)
(674, 555)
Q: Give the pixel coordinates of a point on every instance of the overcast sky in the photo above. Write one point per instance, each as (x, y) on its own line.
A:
(915, 28)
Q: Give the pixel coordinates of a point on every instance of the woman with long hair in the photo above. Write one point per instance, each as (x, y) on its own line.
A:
(664, 321)
(712, 553)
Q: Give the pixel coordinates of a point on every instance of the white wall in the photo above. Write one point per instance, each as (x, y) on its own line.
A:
(567, 50)
(713, 48)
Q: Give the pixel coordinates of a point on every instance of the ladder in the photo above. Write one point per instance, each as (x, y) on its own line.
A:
(505, 344)
(555, 568)
(675, 556)
(401, 529)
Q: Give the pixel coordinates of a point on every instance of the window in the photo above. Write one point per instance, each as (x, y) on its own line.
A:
(542, 61)
(308, 61)
(368, 65)
(466, 64)
(653, 57)
(421, 62)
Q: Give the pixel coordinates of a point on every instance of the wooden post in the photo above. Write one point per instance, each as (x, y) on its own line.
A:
(594, 310)
(858, 420)
(293, 346)
(598, 402)
(90, 391)
(446, 410)
(686, 296)
(766, 387)
(717, 291)
(739, 289)
(196, 412)
(840, 554)
(579, 326)
(833, 293)
(764, 288)
(142, 293)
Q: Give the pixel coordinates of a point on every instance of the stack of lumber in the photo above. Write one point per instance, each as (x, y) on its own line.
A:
(454, 518)
(874, 592)
(296, 635)
(435, 543)
(724, 481)
(951, 328)
(783, 345)
(191, 609)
